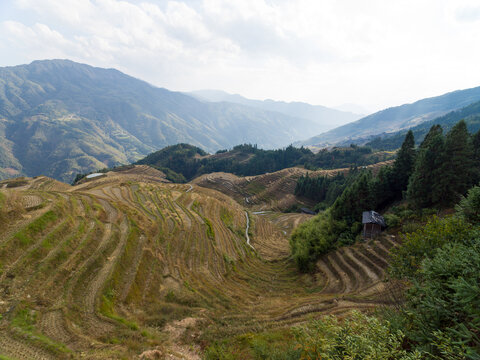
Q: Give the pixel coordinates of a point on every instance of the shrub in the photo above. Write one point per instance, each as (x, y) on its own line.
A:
(358, 337)
(424, 242)
(469, 207)
(392, 220)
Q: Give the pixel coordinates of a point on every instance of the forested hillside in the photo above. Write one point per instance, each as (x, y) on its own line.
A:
(188, 161)
(396, 118)
(471, 115)
(435, 175)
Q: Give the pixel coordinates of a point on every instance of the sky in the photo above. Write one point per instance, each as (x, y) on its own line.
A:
(372, 53)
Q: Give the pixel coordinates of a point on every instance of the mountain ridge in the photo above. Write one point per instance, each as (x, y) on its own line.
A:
(59, 118)
(396, 118)
(328, 118)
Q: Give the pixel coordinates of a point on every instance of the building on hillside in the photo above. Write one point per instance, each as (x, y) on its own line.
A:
(307, 211)
(373, 224)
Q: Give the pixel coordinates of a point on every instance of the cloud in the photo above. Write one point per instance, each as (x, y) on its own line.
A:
(468, 13)
(327, 52)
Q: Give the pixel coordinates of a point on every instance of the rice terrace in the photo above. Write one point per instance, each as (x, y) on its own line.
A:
(128, 265)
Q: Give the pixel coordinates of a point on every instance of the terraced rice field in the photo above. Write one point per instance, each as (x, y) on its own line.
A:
(125, 266)
(267, 191)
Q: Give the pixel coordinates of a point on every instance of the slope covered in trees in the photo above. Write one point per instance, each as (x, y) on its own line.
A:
(396, 118)
(471, 115)
(189, 161)
(436, 175)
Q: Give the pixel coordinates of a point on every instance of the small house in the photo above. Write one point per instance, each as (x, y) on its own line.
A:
(307, 211)
(373, 224)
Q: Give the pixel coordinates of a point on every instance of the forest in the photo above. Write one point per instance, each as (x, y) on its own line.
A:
(183, 162)
(430, 198)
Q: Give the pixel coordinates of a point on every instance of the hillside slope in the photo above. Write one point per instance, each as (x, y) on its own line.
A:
(323, 116)
(471, 115)
(125, 264)
(396, 118)
(58, 118)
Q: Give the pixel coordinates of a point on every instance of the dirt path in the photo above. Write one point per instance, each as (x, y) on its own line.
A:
(246, 230)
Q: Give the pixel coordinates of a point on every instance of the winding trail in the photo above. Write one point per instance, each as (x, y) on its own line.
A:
(190, 189)
(246, 231)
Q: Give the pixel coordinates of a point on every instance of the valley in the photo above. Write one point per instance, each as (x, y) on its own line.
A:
(128, 264)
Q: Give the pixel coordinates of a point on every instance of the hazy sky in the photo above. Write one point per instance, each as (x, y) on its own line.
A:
(372, 53)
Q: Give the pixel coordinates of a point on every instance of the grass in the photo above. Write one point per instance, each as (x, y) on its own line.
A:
(170, 273)
(107, 308)
(23, 324)
(274, 345)
(255, 187)
(27, 235)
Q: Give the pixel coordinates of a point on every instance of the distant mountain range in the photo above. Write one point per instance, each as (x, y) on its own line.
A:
(470, 113)
(324, 117)
(394, 119)
(59, 118)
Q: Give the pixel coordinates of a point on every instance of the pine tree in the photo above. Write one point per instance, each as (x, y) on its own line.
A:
(457, 171)
(428, 162)
(404, 164)
(476, 155)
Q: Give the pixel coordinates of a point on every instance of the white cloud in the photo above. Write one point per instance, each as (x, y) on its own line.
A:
(373, 52)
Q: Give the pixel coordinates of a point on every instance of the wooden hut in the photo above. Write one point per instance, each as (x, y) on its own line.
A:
(373, 224)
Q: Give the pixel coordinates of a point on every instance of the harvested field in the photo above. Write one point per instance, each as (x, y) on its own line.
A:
(116, 267)
(267, 191)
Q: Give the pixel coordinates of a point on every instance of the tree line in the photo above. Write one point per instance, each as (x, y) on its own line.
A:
(436, 174)
(183, 162)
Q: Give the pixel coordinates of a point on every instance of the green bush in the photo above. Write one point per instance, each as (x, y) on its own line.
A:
(424, 242)
(469, 207)
(444, 303)
(392, 220)
(357, 337)
(314, 238)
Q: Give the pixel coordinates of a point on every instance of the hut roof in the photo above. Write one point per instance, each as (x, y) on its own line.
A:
(308, 211)
(372, 217)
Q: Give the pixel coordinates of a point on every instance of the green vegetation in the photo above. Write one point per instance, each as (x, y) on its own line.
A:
(358, 337)
(470, 113)
(444, 169)
(439, 265)
(63, 118)
(186, 161)
(441, 262)
(436, 175)
(26, 236)
(23, 324)
(323, 189)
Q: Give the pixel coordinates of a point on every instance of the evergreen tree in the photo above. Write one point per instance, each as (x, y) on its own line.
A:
(457, 171)
(429, 161)
(383, 187)
(476, 155)
(432, 133)
(354, 200)
(404, 164)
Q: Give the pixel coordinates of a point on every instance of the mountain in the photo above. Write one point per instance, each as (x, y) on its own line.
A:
(395, 118)
(59, 118)
(323, 116)
(471, 115)
(354, 108)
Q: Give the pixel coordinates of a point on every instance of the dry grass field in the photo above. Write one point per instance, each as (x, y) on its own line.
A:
(129, 266)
